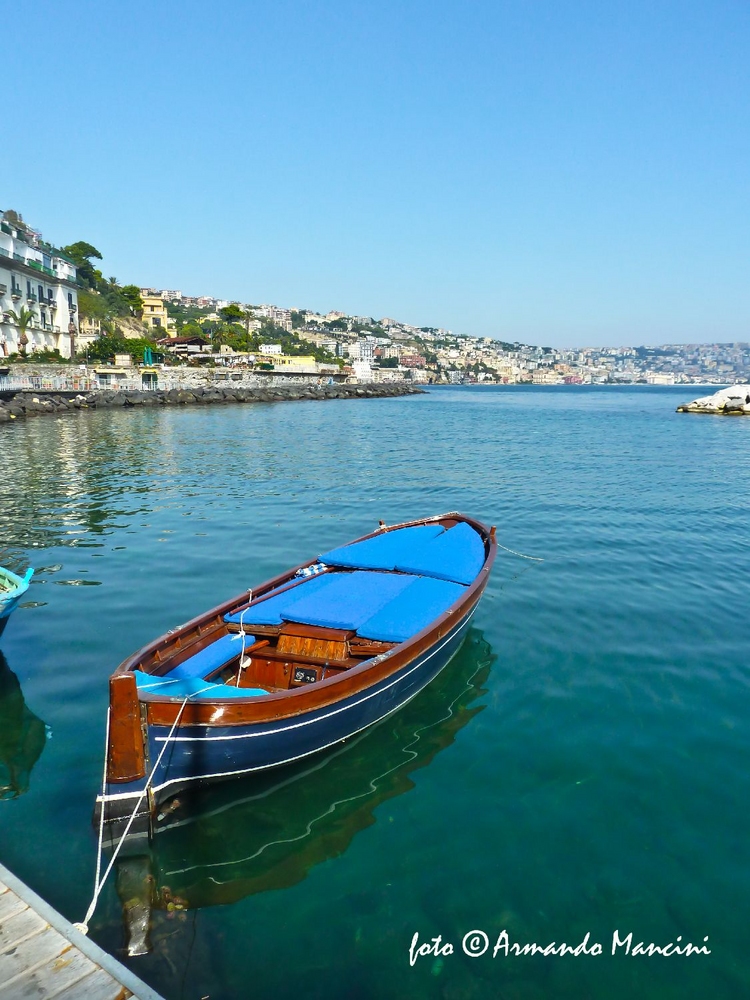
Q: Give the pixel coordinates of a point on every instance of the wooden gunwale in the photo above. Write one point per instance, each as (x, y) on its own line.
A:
(162, 710)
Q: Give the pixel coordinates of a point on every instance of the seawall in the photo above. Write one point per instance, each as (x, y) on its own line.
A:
(29, 403)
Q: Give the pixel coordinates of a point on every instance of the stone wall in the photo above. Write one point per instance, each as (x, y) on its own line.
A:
(30, 404)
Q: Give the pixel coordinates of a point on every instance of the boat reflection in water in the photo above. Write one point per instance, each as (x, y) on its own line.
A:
(22, 736)
(224, 842)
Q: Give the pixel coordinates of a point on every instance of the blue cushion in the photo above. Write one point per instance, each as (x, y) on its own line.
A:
(383, 551)
(191, 687)
(269, 612)
(348, 601)
(211, 658)
(456, 555)
(412, 610)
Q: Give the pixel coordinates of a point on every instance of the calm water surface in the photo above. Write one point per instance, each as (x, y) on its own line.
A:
(581, 766)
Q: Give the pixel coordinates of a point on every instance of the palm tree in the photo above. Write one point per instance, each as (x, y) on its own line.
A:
(22, 320)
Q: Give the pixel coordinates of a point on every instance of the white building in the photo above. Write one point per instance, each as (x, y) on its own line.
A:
(40, 279)
(362, 371)
(281, 317)
(362, 350)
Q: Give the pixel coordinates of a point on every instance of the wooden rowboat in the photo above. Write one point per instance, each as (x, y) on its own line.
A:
(12, 589)
(217, 844)
(299, 664)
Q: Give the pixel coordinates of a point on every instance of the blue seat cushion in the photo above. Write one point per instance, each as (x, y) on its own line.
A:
(270, 611)
(348, 601)
(191, 687)
(411, 610)
(457, 555)
(383, 551)
(211, 658)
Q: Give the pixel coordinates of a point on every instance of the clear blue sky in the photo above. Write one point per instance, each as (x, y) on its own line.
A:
(560, 173)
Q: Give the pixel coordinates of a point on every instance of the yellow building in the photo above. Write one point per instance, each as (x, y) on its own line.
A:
(292, 360)
(155, 314)
(302, 362)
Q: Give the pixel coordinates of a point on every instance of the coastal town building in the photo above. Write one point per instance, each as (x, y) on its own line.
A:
(281, 317)
(38, 292)
(185, 346)
(291, 362)
(89, 329)
(436, 354)
(155, 314)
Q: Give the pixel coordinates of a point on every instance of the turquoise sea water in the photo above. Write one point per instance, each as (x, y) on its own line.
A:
(581, 766)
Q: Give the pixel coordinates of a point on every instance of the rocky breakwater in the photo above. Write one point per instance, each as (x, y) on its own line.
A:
(32, 404)
(732, 402)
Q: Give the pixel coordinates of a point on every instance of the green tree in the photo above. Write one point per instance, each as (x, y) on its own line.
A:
(192, 330)
(23, 319)
(13, 218)
(132, 295)
(92, 304)
(108, 344)
(82, 253)
(232, 313)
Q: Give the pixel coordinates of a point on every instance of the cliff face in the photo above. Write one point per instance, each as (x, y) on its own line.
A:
(735, 401)
(132, 328)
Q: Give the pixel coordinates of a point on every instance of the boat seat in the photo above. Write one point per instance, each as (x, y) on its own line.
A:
(331, 600)
(348, 600)
(191, 687)
(422, 601)
(457, 556)
(267, 611)
(210, 659)
(384, 551)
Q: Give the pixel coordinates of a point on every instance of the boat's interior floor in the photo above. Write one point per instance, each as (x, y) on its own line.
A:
(355, 603)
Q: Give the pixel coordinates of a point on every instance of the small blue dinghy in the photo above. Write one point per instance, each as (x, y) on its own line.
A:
(12, 589)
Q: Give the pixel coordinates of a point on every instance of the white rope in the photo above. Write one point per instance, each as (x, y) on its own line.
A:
(519, 554)
(242, 633)
(83, 927)
(101, 811)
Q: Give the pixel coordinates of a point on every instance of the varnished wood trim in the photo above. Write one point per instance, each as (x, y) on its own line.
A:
(316, 632)
(126, 759)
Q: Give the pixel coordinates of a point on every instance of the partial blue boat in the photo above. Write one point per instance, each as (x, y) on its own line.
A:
(12, 589)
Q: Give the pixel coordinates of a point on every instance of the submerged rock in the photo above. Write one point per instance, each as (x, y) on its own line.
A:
(734, 401)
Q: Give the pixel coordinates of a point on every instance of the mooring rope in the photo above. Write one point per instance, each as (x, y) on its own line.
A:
(83, 927)
(243, 664)
(519, 554)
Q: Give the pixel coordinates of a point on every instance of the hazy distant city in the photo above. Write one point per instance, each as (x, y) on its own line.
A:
(388, 349)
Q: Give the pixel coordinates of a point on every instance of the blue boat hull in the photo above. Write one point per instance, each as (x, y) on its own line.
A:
(198, 754)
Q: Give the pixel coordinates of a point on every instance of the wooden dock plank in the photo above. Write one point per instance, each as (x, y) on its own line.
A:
(18, 927)
(67, 970)
(44, 957)
(98, 986)
(23, 959)
(10, 904)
